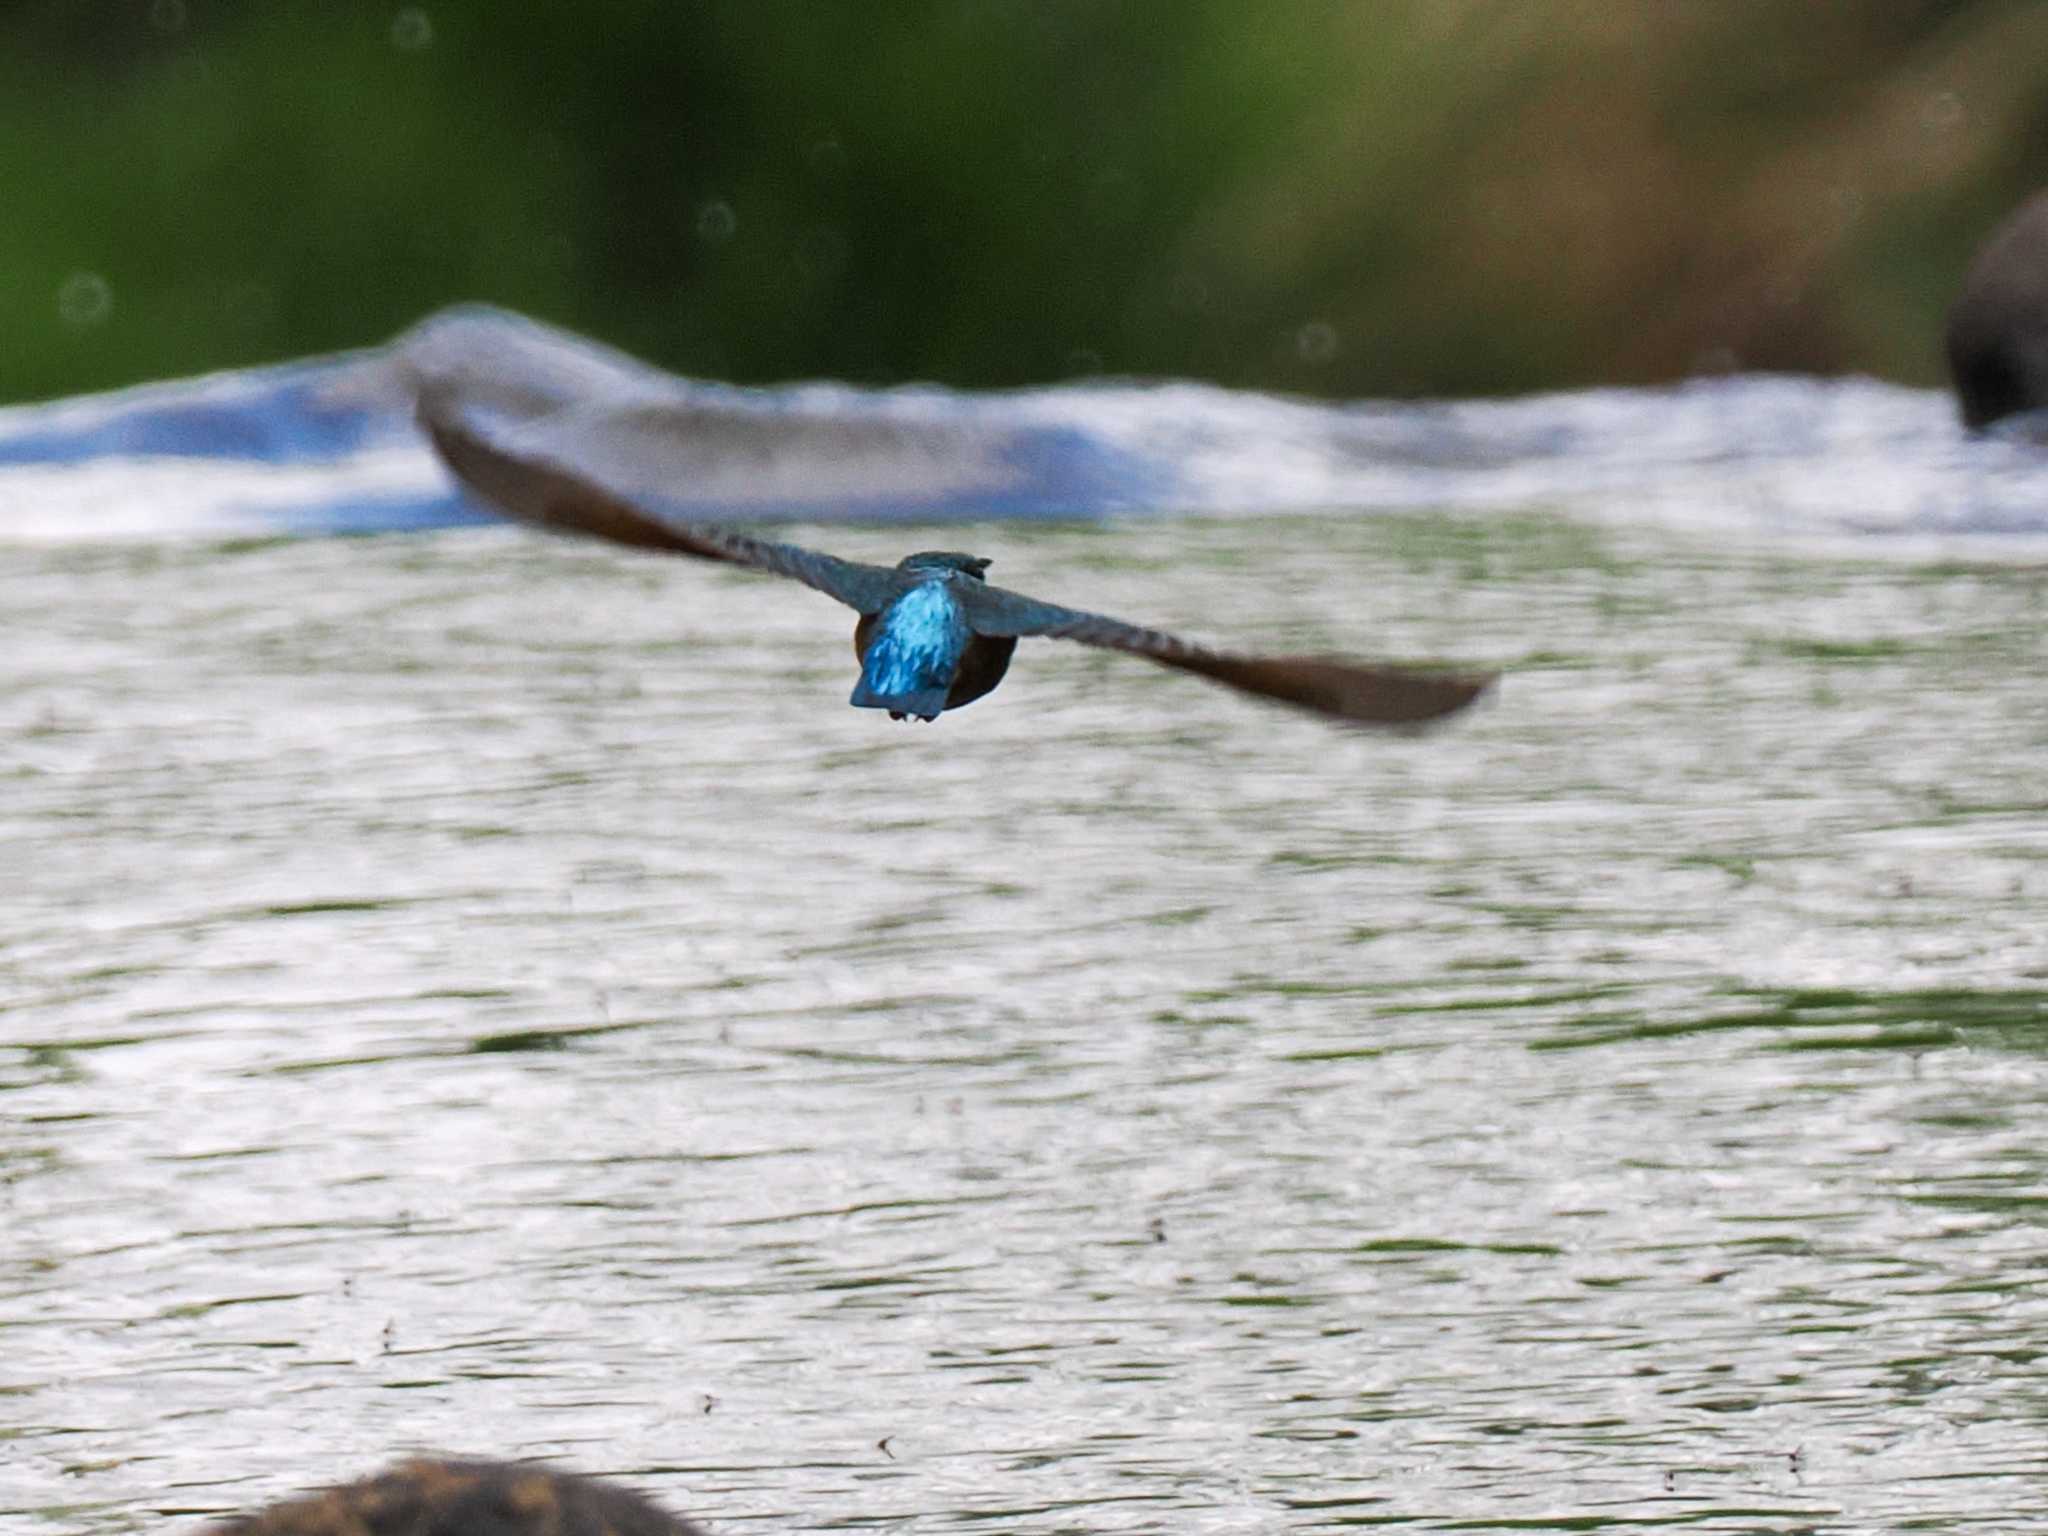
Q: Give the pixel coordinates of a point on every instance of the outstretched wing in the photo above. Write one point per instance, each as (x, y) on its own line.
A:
(538, 492)
(1328, 685)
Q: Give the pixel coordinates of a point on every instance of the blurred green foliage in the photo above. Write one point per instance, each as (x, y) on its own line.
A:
(1404, 196)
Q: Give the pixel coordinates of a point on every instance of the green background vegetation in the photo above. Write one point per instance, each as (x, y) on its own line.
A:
(1401, 197)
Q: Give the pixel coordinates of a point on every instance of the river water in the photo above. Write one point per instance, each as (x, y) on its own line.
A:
(470, 991)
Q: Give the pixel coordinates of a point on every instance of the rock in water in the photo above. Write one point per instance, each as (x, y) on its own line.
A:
(433, 1497)
(1998, 325)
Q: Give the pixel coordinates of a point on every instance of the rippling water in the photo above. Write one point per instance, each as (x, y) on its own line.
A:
(487, 993)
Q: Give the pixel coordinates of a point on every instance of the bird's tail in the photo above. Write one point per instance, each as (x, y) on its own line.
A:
(924, 702)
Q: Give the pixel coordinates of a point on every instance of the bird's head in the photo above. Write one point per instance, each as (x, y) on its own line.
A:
(935, 560)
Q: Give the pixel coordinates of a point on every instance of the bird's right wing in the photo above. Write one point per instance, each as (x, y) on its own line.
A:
(549, 496)
(1326, 685)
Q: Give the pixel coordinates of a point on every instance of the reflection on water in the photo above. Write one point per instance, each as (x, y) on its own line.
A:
(491, 994)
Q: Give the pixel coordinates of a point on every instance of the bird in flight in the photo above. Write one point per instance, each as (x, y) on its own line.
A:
(933, 634)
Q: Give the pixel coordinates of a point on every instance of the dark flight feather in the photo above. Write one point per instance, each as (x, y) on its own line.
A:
(539, 493)
(1327, 685)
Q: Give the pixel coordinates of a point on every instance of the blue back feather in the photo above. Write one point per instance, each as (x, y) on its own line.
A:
(916, 651)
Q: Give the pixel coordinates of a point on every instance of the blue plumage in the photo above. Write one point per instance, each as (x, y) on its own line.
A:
(918, 643)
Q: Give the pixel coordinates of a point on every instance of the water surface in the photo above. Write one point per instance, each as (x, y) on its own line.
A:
(488, 993)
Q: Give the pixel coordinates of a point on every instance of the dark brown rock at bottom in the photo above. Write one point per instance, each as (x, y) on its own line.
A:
(436, 1497)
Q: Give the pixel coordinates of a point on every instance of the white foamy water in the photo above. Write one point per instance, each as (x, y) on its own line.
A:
(328, 446)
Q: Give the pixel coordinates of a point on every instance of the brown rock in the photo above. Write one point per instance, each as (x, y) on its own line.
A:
(433, 1497)
(1998, 325)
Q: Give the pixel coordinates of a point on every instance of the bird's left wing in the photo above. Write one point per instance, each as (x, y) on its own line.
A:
(536, 491)
(1326, 685)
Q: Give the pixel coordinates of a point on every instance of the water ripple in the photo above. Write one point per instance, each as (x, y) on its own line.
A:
(490, 994)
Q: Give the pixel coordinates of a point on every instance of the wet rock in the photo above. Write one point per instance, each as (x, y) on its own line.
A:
(432, 1497)
(1998, 327)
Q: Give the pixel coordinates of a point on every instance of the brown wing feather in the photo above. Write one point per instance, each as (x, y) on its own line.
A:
(1345, 690)
(544, 494)
(1327, 685)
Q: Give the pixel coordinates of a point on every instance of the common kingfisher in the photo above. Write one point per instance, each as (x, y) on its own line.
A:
(933, 634)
